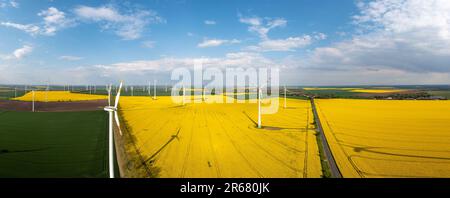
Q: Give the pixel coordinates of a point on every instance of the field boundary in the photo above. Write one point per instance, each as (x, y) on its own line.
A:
(329, 166)
(131, 162)
(72, 106)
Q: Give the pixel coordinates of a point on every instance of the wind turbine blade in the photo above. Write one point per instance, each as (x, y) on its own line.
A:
(116, 116)
(109, 97)
(118, 95)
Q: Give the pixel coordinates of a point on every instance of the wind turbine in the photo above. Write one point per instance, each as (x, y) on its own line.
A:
(184, 93)
(110, 110)
(109, 94)
(285, 96)
(154, 89)
(32, 106)
(259, 107)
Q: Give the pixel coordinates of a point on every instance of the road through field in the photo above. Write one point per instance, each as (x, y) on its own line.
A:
(221, 140)
(326, 147)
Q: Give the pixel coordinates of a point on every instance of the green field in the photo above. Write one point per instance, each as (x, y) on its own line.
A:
(68, 144)
(440, 93)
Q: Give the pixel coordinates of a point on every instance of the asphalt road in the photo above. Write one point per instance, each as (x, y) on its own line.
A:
(335, 173)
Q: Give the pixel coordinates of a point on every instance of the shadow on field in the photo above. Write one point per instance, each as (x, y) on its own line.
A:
(273, 128)
(254, 122)
(370, 150)
(173, 137)
(6, 151)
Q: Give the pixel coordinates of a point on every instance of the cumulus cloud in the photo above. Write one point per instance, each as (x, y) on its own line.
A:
(18, 53)
(14, 4)
(401, 35)
(210, 22)
(288, 44)
(216, 42)
(70, 58)
(10, 3)
(129, 26)
(166, 64)
(53, 20)
(28, 28)
(148, 44)
(262, 26)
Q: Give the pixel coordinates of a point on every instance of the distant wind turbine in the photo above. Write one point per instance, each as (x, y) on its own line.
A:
(154, 89)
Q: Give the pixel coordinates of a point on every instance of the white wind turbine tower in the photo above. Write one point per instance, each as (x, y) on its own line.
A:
(132, 91)
(109, 94)
(154, 89)
(259, 106)
(148, 89)
(285, 96)
(32, 105)
(110, 110)
(184, 93)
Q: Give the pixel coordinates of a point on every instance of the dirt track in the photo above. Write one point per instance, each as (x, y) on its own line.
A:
(90, 105)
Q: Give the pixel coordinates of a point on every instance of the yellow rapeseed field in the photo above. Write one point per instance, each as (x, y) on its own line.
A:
(58, 96)
(220, 140)
(383, 138)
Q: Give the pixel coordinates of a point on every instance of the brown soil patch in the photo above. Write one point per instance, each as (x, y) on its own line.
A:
(89, 105)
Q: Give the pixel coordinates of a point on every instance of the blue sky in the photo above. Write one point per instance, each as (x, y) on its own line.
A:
(314, 42)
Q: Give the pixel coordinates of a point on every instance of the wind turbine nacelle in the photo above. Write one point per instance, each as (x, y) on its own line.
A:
(110, 109)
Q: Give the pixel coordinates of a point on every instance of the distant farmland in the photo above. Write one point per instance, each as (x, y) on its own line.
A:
(64, 144)
(380, 138)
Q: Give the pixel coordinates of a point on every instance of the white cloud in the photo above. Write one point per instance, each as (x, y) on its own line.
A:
(262, 26)
(320, 36)
(18, 53)
(216, 42)
(190, 34)
(288, 44)
(70, 58)
(210, 22)
(404, 35)
(10, 3)
(166, 64)
(14, 4)
(28, 28)
(128, 26)
(148, 44)
(53, 20)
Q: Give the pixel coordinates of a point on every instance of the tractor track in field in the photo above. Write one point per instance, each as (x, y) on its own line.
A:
(237, 148)
(326, 147)
(214, 157)
(188, 151)
(266, 151)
